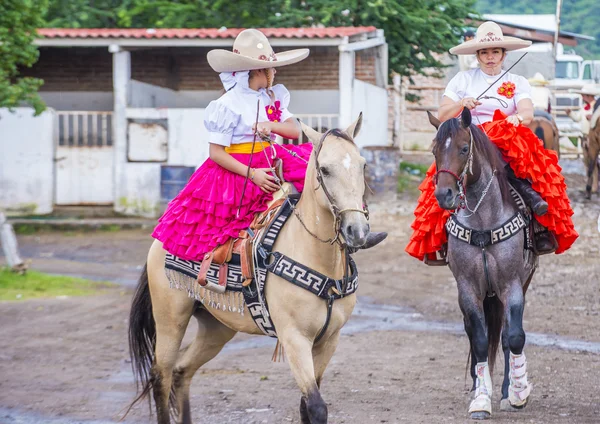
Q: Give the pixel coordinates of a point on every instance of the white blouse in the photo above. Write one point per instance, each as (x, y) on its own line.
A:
(474, 82)
(230, 118)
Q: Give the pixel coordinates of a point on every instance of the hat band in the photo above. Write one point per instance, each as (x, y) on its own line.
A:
(489, 37)
(270, 58)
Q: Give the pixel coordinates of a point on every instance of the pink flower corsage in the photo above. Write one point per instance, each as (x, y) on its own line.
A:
(274, 111)
(507, 90)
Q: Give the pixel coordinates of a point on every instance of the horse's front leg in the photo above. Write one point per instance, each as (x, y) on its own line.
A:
(472, 359)
(298, 350)
(515, 388)
(472, 308)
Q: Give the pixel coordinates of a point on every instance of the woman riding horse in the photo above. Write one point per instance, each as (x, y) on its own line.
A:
(329, 221)
(500, 103)
(227, 191)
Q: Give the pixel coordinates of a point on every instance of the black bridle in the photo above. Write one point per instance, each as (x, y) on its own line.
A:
(460, 178)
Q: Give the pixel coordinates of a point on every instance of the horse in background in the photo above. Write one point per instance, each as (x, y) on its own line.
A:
(591, 150)
(544, 127)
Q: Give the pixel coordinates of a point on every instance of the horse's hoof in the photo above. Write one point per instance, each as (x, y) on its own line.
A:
(506, 406)
(481, 415)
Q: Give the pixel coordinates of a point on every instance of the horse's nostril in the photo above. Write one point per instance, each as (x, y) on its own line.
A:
(449, 193)
(349, 230)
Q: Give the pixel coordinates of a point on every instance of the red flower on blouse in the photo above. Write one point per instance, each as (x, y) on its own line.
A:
(507, 89)
(274, 111)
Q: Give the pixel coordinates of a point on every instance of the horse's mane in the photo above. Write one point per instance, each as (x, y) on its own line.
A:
(338, 133)
(484, 148)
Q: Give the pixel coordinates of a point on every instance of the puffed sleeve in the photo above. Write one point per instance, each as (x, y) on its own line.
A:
(283, 95)
(522, 89)
(457, 87)
(220, 121)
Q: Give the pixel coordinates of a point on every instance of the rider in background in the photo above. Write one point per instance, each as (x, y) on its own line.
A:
(467, 61)
(236, 181)
(502, 113)
(590, 105)
(541, 96)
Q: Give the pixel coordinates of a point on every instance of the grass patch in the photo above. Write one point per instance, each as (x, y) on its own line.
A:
(37, 284)
(410, 176)
(25, 229)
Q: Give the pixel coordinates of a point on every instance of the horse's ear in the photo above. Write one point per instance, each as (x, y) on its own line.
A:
(354, 128)
(465, 118)
(433, 120)
(313, 136)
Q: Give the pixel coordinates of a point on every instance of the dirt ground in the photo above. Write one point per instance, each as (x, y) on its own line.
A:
(66, 360)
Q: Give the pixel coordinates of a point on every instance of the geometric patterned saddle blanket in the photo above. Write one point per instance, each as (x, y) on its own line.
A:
(183, 275)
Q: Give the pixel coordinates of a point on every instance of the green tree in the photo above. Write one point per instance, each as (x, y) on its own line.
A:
(416, 30)
(19, 20)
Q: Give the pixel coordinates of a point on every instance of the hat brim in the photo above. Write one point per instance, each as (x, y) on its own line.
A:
(589, 93)
(509, 44)
(538, 82)
(227, 61)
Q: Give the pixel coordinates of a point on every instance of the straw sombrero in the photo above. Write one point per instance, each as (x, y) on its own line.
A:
(489, 35)
(589, 89)
(251, 50)
(538, 80)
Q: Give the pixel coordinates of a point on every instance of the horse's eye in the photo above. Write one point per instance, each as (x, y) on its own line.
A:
(324, 171)
(464, 150)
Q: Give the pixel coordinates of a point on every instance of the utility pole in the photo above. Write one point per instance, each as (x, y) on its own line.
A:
(9, 246)
(555, 46)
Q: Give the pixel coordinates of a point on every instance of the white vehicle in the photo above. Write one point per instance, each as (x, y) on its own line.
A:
(570, 72)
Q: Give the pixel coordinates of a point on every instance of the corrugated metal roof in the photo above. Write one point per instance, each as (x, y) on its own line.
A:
(200, 33)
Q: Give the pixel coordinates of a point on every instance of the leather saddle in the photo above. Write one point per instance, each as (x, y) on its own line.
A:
(241, 246)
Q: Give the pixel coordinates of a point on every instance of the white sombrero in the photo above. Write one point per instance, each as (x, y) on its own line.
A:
(538, 80)
(489, 35)
(589, 89)
(251, 50)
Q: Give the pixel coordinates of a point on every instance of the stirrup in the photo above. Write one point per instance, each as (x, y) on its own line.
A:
(441, 257)
(550, 238)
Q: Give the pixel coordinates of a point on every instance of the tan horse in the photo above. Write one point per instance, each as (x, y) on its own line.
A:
(160, 315)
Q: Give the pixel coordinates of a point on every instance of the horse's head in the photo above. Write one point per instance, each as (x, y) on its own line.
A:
(453, 151)
(336, 175)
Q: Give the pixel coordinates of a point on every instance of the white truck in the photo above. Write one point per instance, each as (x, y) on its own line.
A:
(570, 72)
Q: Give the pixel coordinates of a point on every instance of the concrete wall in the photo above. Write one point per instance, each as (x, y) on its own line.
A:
(138, 188)
(100, 101)
(145, 95)
(26, 161)
(372, 102)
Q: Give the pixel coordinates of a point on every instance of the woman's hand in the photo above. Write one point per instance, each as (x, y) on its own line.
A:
(469, 102)
(514, 119)
(263, 129)
(263, 179)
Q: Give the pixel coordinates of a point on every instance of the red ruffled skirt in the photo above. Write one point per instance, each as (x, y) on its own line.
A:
(203, 215)
(529, 159)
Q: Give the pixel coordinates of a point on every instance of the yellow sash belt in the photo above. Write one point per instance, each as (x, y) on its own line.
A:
(246, 148)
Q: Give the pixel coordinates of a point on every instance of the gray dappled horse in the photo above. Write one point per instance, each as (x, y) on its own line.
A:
(333, 193)
(492, 268)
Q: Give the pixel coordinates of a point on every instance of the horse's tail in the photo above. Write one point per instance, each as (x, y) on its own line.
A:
(493, 310)
(142, 338)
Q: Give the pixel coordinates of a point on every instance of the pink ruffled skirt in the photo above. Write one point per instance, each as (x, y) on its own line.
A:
(203, 215)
